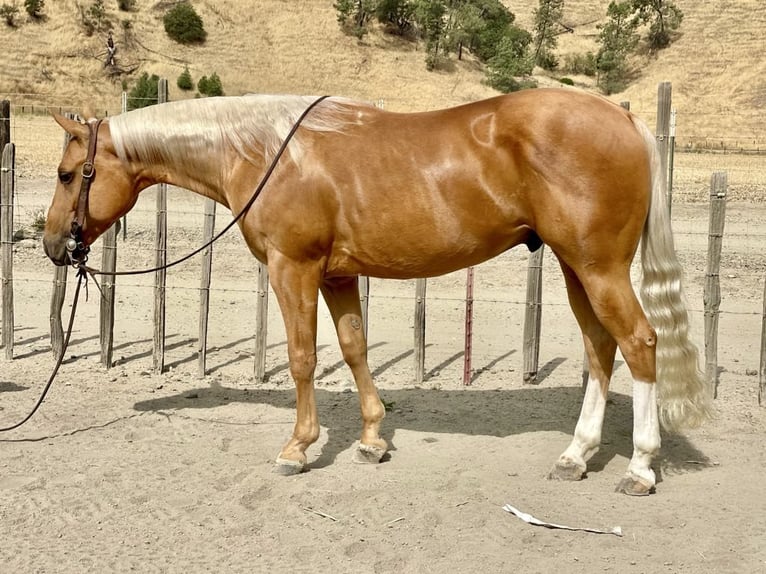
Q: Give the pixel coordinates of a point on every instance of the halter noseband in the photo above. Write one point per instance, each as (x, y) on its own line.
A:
(78, 251)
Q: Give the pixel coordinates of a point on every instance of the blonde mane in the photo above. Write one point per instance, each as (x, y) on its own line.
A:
(197, 130)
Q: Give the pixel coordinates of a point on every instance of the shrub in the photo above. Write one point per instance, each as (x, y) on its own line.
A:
(184, 81)
(547, 60)
(34, 8)
(126, 5)
(144, 93)
(210, 86)
(94, 18)
(184, 25)
(567, 81)
(8, 13)
(580, 64)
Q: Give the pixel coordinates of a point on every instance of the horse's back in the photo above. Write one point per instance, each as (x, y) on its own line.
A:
(418, 194)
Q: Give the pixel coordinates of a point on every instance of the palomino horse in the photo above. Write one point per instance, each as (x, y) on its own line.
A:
(365, 191)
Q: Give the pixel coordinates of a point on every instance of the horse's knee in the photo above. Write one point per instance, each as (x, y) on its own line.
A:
(303, 365)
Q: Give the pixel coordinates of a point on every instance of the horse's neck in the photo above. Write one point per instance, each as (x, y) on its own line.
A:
(203, 176)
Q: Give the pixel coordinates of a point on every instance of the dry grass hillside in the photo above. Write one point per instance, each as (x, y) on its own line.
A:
(717, 66)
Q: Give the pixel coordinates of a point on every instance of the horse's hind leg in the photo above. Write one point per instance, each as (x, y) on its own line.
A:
(600, 348)
(617, 308)
(342, 297)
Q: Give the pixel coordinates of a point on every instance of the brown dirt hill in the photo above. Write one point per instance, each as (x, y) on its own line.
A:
(716, 66)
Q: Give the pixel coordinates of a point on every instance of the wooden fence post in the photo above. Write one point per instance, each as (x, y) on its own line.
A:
(671, 156)
(123, 109)
(533, 315)
(762, 376)
(58, 296)
(468, 327)
(5, 124)
(109, 265)
(261, 322)
(420, 329)
(59, 289)
(364, 301)
(7, 167)
(161, 244)
(712, 291)
(204, 286)
(664, 100)
(106, 323)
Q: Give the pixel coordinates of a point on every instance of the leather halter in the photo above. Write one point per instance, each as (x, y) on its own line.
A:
(78, 251)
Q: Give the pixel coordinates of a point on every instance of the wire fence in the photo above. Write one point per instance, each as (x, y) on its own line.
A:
(499, 284)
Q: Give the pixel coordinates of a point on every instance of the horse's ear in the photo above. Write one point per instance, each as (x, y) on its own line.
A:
(72, 127)
(88, 112)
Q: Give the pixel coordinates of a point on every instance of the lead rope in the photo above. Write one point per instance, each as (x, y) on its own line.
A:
(83, 270)
(80, 277)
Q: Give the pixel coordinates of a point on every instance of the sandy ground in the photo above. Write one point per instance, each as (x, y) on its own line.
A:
(126, 470)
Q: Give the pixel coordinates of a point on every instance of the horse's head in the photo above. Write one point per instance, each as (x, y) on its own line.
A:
(111, 192)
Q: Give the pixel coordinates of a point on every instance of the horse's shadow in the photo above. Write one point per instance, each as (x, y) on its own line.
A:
(498, 413)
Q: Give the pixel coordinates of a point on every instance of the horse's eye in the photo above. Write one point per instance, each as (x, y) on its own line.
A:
(65, 177)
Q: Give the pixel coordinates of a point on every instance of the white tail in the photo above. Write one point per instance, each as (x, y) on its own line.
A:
(684, 397)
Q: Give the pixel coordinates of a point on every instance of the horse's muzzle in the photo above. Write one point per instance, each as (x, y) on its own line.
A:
(56, 250)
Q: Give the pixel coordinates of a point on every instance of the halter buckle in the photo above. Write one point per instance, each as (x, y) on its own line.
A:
(88, 170)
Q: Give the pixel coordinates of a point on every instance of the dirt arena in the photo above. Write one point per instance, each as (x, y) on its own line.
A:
(125, 470)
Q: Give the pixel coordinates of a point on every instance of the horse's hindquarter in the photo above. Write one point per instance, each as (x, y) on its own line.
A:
(408, 195)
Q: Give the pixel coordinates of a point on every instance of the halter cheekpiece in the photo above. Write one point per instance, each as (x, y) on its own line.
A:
(78, 251)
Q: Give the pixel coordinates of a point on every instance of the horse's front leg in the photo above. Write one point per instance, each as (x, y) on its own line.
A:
(296, 286)
(342, 297)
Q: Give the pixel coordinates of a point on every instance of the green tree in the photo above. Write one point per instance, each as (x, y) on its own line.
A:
(547, 19)
(184, 25)
(8, 12)
(497, 20)
(184, 81)
(618, 39)
(445, 26)
(467, 23)
(429, 15)
(397, 15)
(511, 61)
(34, 8)
(210, 86)
(663, 18)
(144, 93)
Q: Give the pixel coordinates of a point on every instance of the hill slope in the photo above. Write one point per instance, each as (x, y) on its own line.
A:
(717, 66)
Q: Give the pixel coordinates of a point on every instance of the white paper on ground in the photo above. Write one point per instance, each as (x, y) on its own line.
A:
(529, 519)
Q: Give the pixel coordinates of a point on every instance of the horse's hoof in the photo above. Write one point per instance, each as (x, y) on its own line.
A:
(368, 454)
(633, 486)
(287, 467)
(569, 471)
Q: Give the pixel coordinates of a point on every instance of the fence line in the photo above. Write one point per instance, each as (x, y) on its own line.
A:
(533, 306)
